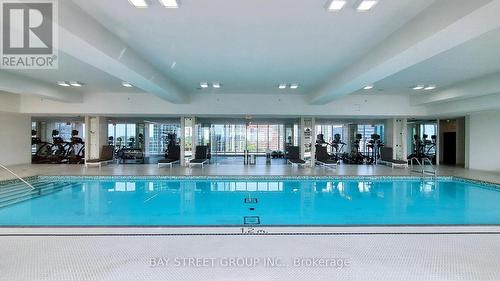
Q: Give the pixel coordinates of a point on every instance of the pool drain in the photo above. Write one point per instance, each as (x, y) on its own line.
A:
(251, 220)
(249, 200)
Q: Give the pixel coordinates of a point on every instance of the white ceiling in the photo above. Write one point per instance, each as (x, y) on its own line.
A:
(71, 69)
(473, 59)
(251, 46)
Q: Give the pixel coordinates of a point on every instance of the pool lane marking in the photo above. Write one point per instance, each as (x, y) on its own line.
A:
(152, 197)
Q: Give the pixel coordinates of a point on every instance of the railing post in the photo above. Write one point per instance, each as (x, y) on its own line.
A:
(8, 170)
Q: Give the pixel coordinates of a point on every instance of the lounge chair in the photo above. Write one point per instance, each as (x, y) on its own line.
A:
(386, 158)
(322, 157)
(107, 155)
(200, 156)
(174, 156)
(294, 156)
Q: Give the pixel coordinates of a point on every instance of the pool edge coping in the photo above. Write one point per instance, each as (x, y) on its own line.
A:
(152, 230)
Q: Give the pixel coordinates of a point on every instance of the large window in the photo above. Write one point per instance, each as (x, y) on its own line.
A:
(235, 138)
(64, 130)
(367, 131)
(252, 138)
(329, 132)
(158, 137)
(122, 133)
(263, 140)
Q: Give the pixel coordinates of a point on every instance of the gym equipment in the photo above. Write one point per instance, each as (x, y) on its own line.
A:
(424, 148)
(338, 145)
(59, 149)
(171, 141)
(42, 150)
(355, 156)
(430, 148)
(76, 152)
(373, 146)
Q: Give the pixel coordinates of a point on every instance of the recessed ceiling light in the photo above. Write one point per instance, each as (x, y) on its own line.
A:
(336, 5)
(204, 85)
(216, 85)
(430, 87)
(418, 87)
(63, 83)
(366, 5)
(294, 86)
(282, 86)
(75, 84)
(127, 84)
(368, 87)
(172, 4)
(139, 3)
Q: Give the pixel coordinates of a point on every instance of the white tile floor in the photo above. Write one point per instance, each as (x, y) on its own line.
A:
(101, 254)
(366, 257)
(238, 170)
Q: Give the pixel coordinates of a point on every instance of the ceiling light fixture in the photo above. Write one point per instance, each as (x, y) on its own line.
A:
(139, 3)
(282, 86)
(204, 85)
(294, 86)
(63, 83)
(75, 84)
(126, 84)
(366, 5)
(418, 87)
(336, 5)
(430, 87)
(171, 4)
(216, 85)
(368, 87)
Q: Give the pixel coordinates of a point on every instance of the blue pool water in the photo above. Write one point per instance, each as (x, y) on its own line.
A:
(132, 202)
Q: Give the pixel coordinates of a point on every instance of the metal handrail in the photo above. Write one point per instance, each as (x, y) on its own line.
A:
(18, 177)
(423, 171)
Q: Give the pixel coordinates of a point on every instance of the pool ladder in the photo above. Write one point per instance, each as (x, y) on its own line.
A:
(18, 177)
(425, 162)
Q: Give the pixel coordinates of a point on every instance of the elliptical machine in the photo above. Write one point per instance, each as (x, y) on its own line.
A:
(373, 146)
(338, 145)
(42, 150)
(171, 140)
(59, 148)
(418, 148)
(355, 156)
(76, 152)
(430, 148)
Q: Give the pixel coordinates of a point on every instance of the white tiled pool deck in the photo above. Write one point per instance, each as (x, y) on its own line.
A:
(241, 170)
(371, 253)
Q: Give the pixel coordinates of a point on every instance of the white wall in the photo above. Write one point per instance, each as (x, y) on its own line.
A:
(15, 138)
(461, 142)
(9, 102)
(484, 141)
(230, 104)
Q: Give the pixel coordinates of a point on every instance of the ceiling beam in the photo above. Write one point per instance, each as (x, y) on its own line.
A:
(485, 85)
(466, 106)
(441, 27)
(83, 38)
(22, 85)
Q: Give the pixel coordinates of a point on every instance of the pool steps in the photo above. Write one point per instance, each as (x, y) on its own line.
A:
(19, 192)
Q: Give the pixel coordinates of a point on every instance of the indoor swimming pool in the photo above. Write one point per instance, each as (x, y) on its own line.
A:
(276, 201)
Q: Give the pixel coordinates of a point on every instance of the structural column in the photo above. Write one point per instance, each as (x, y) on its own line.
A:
(397, 137)
(307, 135)
(96, 136)
(189, 138)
